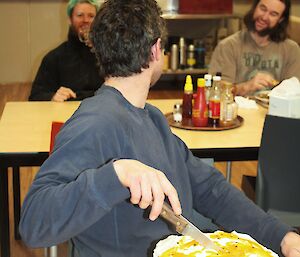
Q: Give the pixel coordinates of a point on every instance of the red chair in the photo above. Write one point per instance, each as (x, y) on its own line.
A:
(55, 128)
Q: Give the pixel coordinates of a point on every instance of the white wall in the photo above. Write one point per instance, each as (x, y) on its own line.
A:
(28, 30)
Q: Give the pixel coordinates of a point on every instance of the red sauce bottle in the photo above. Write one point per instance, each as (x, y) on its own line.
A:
(200, 110)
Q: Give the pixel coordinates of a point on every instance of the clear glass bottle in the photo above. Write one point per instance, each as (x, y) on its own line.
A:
(228, 108)
(214, 102)
(207, 78)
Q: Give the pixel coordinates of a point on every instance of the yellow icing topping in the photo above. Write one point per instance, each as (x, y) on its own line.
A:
(235, 247)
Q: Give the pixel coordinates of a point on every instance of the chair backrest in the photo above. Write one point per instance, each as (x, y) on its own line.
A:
(278, 178)
(55, 128)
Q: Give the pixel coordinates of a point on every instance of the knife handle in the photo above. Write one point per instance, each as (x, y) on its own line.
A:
(168, 214)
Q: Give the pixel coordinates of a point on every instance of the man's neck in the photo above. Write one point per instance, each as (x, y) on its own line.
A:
(259, 40)
(134, 88)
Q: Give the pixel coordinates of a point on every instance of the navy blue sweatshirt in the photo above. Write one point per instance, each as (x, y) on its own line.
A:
(77, 195)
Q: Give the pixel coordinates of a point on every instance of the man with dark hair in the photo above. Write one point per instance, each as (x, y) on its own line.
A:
(116, 156)
(69, 72)
(260, 56)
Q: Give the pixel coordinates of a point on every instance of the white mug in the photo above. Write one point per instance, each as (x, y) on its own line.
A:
(169, 6)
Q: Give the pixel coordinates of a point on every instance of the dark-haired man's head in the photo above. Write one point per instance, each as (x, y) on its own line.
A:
(123, 33)
(269, 18)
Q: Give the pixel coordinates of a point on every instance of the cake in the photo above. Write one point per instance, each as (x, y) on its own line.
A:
(232, 245)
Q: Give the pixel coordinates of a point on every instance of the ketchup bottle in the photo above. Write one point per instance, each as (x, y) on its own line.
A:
(200, 110)
(187, 102)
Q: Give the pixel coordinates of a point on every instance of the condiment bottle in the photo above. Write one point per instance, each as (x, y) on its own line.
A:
(199, 115)
(182, 53)
(191, 61)
(207, 78)
(200, 54)
(166, 65)
(177, 112)
(228, 107)
(174, 57)
(187, 102)
(214, 102)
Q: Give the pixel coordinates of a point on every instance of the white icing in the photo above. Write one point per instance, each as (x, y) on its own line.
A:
(171, 241)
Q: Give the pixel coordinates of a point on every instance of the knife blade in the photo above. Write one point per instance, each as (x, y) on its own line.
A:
(185, 227)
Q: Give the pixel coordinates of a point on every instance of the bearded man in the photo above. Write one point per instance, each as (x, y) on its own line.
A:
(261, 55)
(70, 72)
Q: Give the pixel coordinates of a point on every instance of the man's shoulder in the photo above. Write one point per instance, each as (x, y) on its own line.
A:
(158, 118)
(287, 46)
(154, 111)
(98, 114)
(290, 42)
(234, 39)
(57, 51)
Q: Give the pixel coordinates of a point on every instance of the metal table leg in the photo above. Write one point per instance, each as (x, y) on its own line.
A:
(228, 171)
(52, 250)
(4, 210)
(17, 200)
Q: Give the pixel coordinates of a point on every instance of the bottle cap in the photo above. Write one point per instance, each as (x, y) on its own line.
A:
(191, 48)
(207, 76)
(200, 82)
(177, 106)
(188, 87)
(216, 78)
(181, 41)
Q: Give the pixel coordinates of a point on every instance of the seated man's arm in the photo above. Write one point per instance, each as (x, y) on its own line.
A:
(260, 81)
(46, 82)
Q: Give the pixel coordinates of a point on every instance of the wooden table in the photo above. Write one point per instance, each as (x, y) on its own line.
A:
(25, 139)
(236, 144)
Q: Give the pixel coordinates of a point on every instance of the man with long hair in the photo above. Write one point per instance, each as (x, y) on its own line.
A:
(69, 72)
(260, 56)
(116, 161)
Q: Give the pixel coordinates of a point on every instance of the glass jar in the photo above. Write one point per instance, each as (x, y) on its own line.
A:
(229, 108)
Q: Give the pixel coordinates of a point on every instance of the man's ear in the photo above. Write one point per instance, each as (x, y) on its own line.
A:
(156, 52)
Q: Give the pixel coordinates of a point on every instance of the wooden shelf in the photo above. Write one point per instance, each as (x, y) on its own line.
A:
(200, 16)
(187, 25)
(185, 71)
